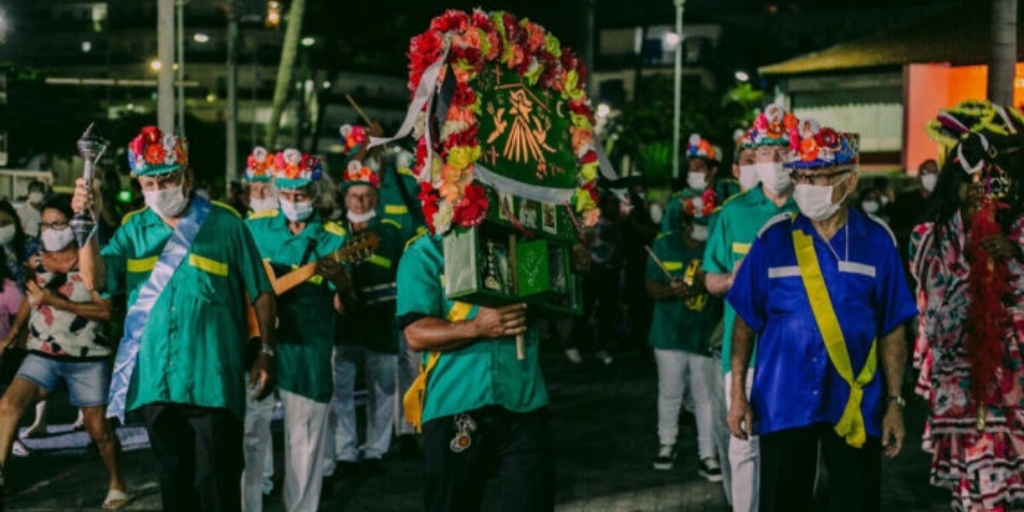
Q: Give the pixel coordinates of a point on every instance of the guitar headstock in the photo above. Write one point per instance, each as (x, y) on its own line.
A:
(359, 247)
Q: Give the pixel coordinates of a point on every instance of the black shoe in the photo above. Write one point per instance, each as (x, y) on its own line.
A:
(666, 457)
(409, 447)
(346, 470)
(372, 468)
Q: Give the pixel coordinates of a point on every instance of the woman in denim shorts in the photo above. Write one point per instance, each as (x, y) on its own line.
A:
(66, 343)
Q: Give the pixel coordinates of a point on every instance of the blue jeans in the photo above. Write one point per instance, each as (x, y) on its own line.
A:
(87, 381)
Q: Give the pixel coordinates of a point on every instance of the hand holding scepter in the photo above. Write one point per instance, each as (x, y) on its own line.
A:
(83, 224)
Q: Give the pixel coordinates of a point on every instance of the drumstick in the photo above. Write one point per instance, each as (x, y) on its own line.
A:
(358, 110)
(659, 264)
(575, 223)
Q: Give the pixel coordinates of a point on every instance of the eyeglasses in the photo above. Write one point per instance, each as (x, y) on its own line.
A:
(817, 179)
(56, 226)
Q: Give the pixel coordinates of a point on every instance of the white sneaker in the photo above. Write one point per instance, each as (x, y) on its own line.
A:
(710, 470)
(574, 356)
(666, 457)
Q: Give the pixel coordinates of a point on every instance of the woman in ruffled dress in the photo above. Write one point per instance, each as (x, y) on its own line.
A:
(968, 261)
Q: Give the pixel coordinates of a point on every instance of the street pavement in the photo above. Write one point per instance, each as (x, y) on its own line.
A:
(604, 423)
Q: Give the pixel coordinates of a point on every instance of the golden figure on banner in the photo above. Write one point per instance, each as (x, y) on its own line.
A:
(527, 138)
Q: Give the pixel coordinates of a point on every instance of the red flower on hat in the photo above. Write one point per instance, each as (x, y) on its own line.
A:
(827, 138)
(451, 20)
(155, 154)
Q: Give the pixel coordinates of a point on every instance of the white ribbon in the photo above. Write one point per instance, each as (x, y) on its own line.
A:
(424, 97)
(519, 189)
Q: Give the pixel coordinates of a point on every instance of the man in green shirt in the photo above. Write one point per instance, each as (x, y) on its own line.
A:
(684, 318)
(736, 226)
(290, 237)
(481, 409)
(187, 267)
(367, 337)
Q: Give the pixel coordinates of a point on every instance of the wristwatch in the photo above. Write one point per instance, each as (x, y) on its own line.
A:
(267, 350)
(900, 401)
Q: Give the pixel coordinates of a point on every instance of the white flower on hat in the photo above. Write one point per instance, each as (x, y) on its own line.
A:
(355, 166)
(292, 156)
(809, 128)
(774, 113)
(694, 140)
(168, 143)
(260, 154)
(346, 130)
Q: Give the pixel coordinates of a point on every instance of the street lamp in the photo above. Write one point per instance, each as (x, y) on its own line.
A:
(3, 27)
(741, 76)
(308, 41)
(155, 65)
(678, 96)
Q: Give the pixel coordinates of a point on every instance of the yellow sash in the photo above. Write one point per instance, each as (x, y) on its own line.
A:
(851, 424)
(413, 400)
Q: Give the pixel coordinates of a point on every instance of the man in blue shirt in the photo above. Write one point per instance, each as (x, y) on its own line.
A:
(825, 294)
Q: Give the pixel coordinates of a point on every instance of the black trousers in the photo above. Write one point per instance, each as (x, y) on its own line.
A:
(789, 462)
(517, 446)
(198, 457)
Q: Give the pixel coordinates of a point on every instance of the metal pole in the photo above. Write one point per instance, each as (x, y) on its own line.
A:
(180, 35)
(1003, 53)
(165, 54)
(232, 99)
(677, 103)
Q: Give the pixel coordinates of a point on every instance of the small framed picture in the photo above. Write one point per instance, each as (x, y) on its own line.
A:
(527, 215)
(506, 207)
(549, 218)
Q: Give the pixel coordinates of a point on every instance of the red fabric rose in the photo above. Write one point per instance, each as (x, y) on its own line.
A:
(589, 158)
(451, 20)
(827, 138)
(155, 154)
(428, 198)
(480, 20)
(151, 135)
(514, 34)
(472, 210)
(467, 137)
(463, 95)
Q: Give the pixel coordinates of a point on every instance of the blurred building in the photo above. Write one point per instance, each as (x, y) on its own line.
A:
(886, 86)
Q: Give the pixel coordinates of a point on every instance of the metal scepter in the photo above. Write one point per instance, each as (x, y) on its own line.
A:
(91, 147)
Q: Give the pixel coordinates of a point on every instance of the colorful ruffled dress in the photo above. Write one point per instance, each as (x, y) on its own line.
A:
(983, 468)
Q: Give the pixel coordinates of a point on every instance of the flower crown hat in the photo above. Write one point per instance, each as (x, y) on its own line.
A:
(358, 174)
(294, 169)
(743, 139)
(353, 138)
(697, 147)
(821, 147)
(259, 167)
(775, 127)
(153, 153)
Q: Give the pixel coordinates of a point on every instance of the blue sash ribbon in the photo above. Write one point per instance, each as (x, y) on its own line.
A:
(174, 253)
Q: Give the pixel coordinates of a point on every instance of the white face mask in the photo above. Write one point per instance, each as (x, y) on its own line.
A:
(870, 206)
(359, 218)
(773, 176)
(7, 234)
(748, 177)
(296, 212)
(54, 240)
(696, 180)
(815, 201)
(699, 233)
(167, 202)
(928, 182)
(884, 200)
(266, 203)
(35, 197)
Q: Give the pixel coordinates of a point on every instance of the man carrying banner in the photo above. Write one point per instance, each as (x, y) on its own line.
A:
(825, 294)
(187, 266)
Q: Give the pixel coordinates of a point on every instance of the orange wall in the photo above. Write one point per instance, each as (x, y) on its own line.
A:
(930, 87)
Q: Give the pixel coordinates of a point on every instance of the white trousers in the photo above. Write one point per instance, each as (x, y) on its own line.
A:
(379, 371)
(305, 428)
(745, 460)
(677, 372)
(259, 451)
(720, 413)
